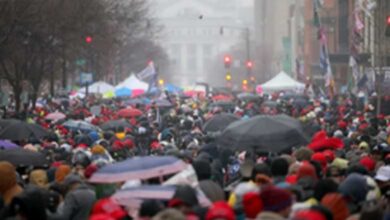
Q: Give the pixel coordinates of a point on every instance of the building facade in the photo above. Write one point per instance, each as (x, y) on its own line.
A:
(195, 34)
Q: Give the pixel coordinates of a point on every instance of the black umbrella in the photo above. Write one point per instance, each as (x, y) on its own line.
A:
(21, 130)
(219, 122)
(247, 96)
(114, 125)
(226, 106)
(7, 122)
(21, 157)
(264, 133)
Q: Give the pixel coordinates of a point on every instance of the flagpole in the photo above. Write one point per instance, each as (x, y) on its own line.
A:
(329, 75)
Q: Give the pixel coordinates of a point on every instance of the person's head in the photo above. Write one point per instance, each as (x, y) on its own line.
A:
(29, 205)
(38, 178)
(261, 174)
(8, 176)
(323, 187)
(150, 208)
(220, 210)
(336, 203)
(276, 200)
(313, 213)
(202, 169)
(170, 214)
(279, 167)
(355, 189)
(61, 172)
(184, 198)
(72, 181)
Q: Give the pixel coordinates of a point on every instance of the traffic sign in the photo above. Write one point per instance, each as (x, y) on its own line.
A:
(86, 78)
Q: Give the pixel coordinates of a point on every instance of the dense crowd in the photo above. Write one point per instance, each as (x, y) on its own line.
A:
(341, 172)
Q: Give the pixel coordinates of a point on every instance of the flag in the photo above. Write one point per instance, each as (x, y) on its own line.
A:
(316, 17)
(148, 73)
(358, 22)
(323, 59)
(363, 81)
(354, 67)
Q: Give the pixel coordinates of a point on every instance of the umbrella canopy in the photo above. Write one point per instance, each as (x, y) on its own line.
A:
(162, 103)
(138, 168)
(123, 92)
(135, 195)
(137, 92)
(22, 157)
(247, 96)
(21, 130)
(219, 122)
(5, 145)
(6, 122)
(264, 133)
(55, 116)
(79, 125)
(115, 124)
(129, 112)
(226, 106)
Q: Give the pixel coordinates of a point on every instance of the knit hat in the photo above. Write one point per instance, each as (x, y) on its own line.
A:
(368, 163)
(98, 149)
(109, 207)
(306, 170)
(336, 203)
(355, 187)
(252, 204)
(61, 172)
(72, 179)
(220, 210)
(275, 199)
(38, 178)
(309, 215)
(8, 176)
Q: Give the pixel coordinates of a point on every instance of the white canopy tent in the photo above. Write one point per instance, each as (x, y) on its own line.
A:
(99, 87)
(133, 83)
(280, 82)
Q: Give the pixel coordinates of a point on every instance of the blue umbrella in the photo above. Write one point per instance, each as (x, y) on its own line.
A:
(4, 144)
(123, 92)
(172, 88)
(135, 195)
(80, 125)
(138, 168)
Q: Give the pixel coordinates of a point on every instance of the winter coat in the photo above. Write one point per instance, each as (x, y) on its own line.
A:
(78, 203)
(212, 190)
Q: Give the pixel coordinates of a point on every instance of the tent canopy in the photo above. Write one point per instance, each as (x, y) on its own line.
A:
(99, 87)
(282, 81)
(133, 83)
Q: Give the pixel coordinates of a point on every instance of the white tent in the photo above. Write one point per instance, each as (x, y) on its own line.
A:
(132, 82)
(99, 87)
(282, 81)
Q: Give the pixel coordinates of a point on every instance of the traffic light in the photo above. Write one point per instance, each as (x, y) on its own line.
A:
(161, 82)
(228, 61)
(228, 77)
(244, 85)
(88, 39)
(388, 26)
(249, 64)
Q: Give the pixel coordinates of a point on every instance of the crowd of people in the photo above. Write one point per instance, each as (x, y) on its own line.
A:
(342, 172)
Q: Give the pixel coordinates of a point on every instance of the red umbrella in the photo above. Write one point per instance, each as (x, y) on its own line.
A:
(129, 112)
(222, 98)
(321, 141)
